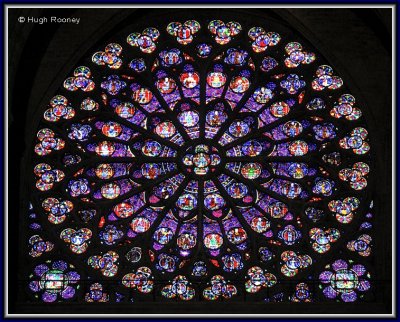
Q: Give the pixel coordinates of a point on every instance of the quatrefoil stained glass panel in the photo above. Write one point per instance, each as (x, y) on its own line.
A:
(201, 161)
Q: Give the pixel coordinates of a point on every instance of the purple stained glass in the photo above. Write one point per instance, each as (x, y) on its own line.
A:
(201, 153)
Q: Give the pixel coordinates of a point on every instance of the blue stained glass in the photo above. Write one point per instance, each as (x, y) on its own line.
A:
(208, 169)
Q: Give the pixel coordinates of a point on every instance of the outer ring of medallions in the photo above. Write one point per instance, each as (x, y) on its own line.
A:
(192, 143)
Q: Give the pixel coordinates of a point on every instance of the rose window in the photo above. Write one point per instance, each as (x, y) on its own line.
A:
(201, 160)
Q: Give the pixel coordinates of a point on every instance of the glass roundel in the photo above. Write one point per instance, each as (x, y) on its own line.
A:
(165, 176)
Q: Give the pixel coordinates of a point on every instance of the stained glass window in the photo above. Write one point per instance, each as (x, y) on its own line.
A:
(201, 161)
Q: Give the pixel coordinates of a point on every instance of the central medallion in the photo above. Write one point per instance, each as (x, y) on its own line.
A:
(201, 159)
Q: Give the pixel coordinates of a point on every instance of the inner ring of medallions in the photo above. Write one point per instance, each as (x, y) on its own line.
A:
(200, 159)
